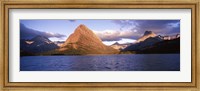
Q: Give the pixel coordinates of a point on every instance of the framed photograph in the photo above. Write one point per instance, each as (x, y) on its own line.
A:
(100, 45)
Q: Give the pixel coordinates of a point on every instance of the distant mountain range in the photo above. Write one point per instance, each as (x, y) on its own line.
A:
(36, 45)
(152, 43)
(83, 42)
(118, 46)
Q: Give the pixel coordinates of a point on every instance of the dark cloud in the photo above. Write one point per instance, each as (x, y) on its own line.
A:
(27, 33)
(163, 27)
(133, 29)
(72, 20)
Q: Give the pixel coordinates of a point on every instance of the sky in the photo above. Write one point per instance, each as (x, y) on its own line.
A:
(109, 31)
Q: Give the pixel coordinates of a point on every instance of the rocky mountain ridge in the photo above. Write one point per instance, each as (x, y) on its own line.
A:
(84, 41)
(146, 35)
(36, 45)
(150, 43)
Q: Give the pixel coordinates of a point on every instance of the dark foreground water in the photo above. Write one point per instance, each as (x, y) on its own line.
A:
(121, 62)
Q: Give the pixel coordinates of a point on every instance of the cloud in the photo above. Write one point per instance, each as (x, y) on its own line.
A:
(50, 34)
(163, 27)
(72, 20)
(122, 41)
(133, 29)
(113, 35)
(27, 33)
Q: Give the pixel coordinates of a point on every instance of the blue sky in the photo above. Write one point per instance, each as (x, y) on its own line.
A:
(109, 31)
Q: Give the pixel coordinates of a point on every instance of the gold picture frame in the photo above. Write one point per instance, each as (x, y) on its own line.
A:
(106, 4)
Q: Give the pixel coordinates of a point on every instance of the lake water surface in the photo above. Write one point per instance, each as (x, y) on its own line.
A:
(120, 62)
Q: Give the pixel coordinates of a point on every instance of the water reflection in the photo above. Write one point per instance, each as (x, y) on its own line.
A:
(122, 62)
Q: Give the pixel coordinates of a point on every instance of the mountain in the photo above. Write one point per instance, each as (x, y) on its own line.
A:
(166, 46)
(118, 46)
(36, 45)
(59, 43)
(38, 40)
(116, 43)
(148, 39)
(84, 41)
(146, 35)
(143, 44)
(151, 43)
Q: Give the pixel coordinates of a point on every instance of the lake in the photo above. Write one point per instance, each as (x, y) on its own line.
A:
(118, 62)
